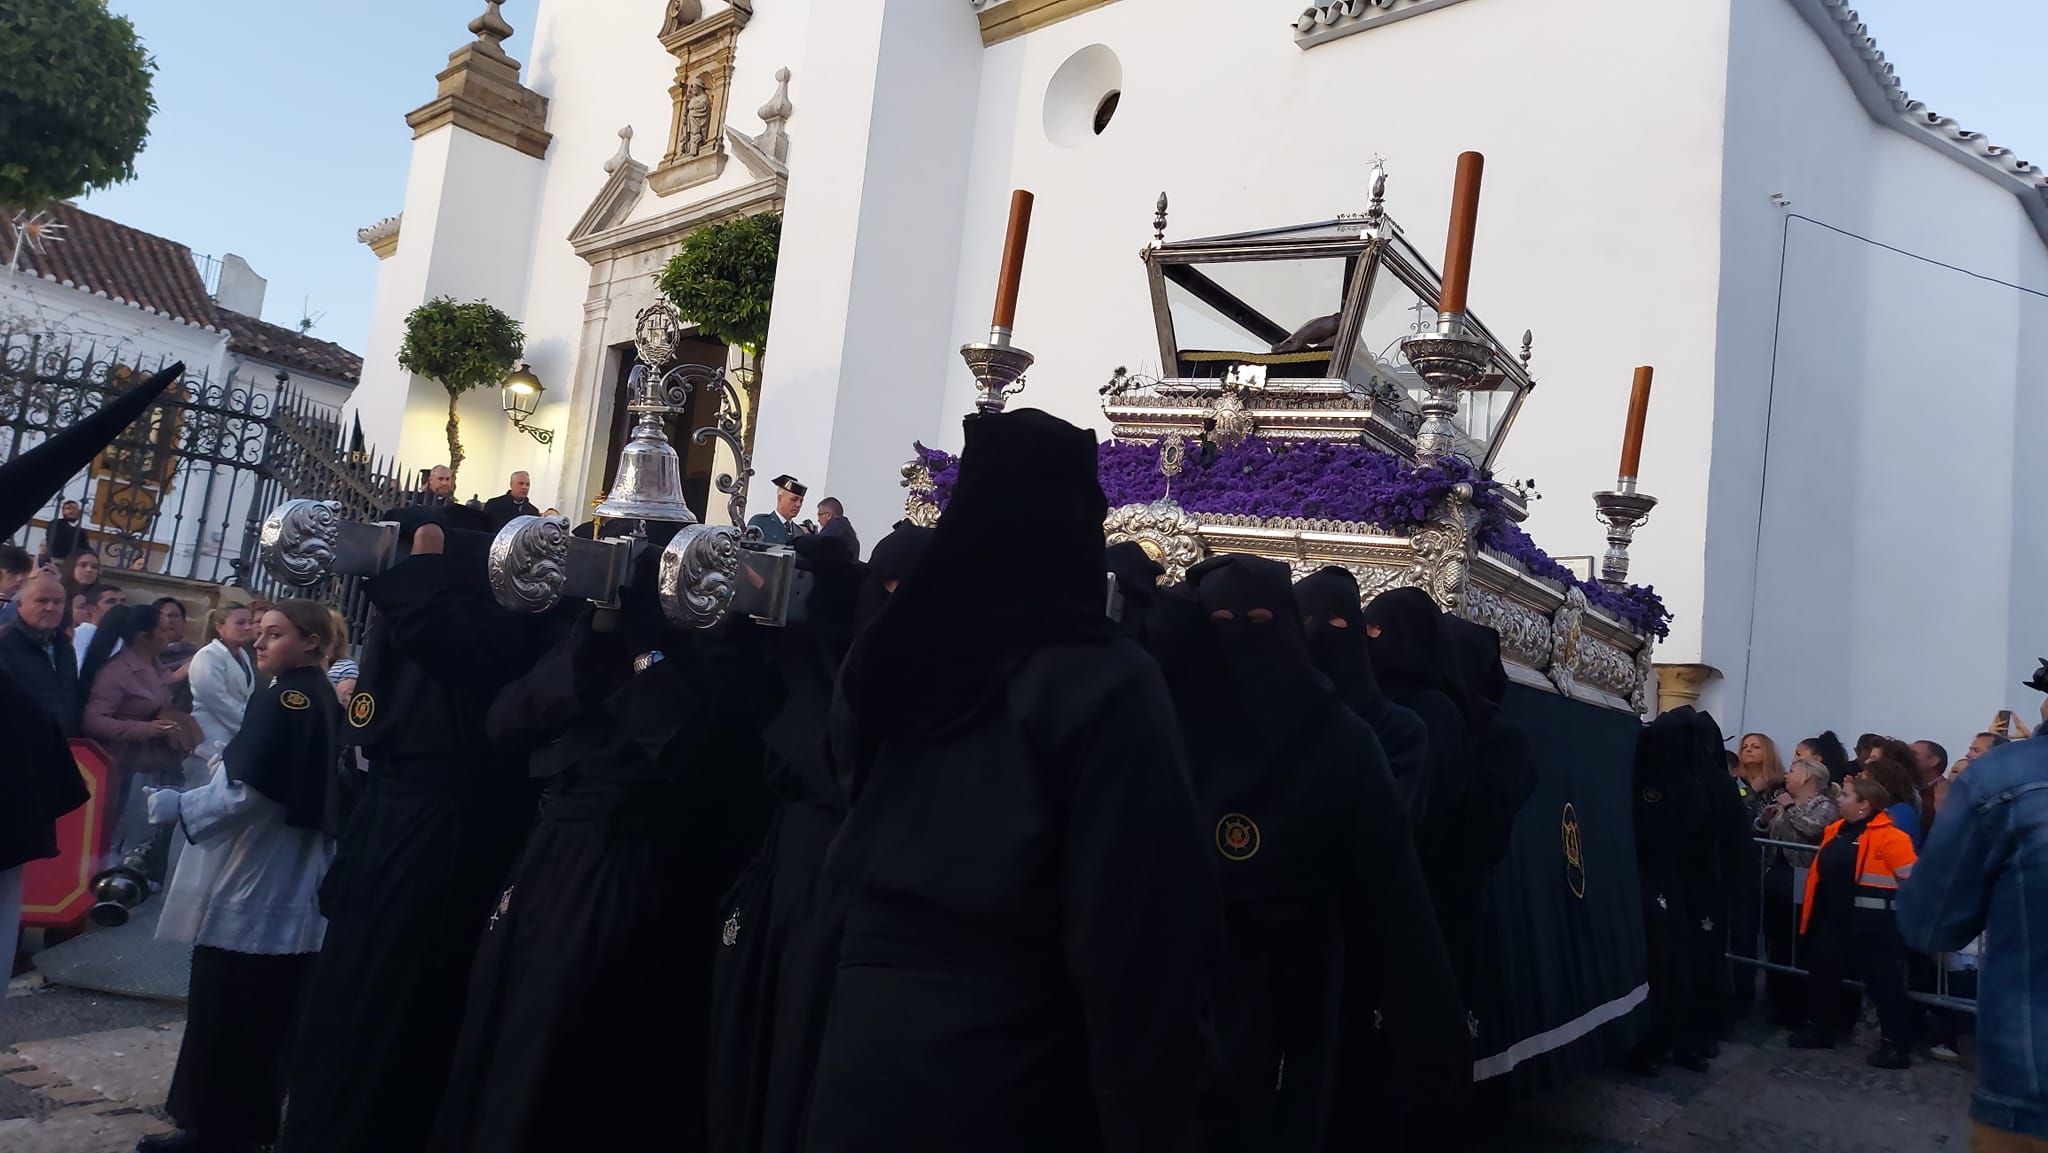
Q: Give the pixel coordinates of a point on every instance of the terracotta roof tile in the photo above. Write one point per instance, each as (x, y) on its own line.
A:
(289, 348)
(100, 255)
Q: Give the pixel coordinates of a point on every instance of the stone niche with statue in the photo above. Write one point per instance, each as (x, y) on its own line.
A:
(704, 48)
(1327, 400)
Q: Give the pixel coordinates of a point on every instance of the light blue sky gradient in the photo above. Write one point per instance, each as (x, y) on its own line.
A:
(280, 127)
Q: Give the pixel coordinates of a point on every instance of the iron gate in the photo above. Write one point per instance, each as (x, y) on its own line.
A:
(183, 491)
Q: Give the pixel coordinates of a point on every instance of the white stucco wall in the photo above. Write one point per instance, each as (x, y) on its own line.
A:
(863, 330)
(1600, 122)
(112, 330)
(1872, 569)
(470, 211)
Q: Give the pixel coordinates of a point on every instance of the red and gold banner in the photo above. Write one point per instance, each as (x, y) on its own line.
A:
(56, 892)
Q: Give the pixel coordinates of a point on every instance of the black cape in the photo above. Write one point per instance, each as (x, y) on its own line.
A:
(289, 745)
(419, 868)
(1331, 593)
(40, 782)
(1338, 1001)
(772, 977)
(601, 940)
(1029, 907)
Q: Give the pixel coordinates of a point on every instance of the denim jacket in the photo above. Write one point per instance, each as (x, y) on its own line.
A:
(1985, 869)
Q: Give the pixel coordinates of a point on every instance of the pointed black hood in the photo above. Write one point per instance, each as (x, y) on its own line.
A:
(29, 481)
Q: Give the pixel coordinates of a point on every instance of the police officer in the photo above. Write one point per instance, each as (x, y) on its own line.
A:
(780, 526)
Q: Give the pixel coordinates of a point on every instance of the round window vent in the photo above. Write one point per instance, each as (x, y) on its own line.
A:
(1082, 96)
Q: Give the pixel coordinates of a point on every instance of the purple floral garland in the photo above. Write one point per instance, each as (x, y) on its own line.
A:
(1326, 481)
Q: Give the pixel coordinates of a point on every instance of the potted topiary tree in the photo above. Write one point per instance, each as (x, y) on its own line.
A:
(75, 100)
(462, 346)
(724, 279)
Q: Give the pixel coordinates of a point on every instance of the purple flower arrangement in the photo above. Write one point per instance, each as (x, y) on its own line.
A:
(1318, 480)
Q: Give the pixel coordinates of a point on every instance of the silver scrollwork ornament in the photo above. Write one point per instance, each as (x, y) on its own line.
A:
(298, 541)
(1568, 635)
(1166, 532)
(699, 575)
(529, 563)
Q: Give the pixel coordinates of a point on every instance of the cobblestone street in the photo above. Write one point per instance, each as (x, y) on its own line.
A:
(87, 1073)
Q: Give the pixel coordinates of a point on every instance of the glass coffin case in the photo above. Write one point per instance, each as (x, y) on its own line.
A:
(1304, 324)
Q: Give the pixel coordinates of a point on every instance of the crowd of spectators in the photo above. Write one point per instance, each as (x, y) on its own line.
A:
(1839, 833)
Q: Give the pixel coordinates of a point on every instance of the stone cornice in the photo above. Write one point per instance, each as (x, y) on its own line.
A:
(1008, 19)
(481, 94)
(656, 231)
(382, 237)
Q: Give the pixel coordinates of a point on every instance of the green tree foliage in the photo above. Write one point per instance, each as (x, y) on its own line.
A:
(75, 99)
(463, 346)
(724, 279)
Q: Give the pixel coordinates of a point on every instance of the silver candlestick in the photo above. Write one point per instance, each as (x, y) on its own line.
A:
(1622, 511)
(1453, 360)
(998, 367)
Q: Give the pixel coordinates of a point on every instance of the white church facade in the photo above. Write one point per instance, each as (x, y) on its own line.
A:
(1843, 294)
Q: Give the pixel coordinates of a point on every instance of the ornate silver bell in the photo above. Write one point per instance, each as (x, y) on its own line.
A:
(649, 484)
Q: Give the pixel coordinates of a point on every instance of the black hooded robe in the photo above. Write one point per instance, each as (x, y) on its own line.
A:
(1336, 997)
(600, 944)
(1331, 593)
(419, 866)
(1671, 814)
(1029, 900)
(771, 984)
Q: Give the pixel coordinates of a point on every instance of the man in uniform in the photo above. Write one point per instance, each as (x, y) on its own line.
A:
(780, 526)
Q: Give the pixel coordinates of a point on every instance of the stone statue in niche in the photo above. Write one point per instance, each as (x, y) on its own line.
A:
(681, 14)
(703, 46)
(697, 126)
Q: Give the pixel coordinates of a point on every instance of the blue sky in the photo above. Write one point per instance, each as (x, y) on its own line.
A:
(280, 126)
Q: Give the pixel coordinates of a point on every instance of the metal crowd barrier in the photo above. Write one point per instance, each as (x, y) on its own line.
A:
(1796, 857)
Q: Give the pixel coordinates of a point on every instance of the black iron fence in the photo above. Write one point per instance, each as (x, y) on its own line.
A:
(183, 492)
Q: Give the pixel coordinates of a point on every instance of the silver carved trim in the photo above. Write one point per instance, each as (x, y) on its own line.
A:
(1644, 695)
(1567, 640)
(1444, 548)
(1164, 530)
(1525, 633)
(298, 541)
(529, 563)
(699, 575)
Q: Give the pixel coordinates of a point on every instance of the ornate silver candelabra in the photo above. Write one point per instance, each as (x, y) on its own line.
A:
(998, 367)
(1622, 511)
(1453, 361)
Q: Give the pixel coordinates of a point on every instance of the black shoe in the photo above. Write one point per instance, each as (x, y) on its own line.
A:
(1889, 1056)
(176, 1141)
(1811, 1038)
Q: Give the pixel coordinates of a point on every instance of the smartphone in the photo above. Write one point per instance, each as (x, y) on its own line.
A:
(1113, 601)
(2002, 723)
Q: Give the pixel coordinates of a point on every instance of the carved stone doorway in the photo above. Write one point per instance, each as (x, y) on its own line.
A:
(699, 460)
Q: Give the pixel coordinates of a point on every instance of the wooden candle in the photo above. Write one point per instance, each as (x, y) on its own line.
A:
(1464, 222)
(1013, 260)
(1638, 412)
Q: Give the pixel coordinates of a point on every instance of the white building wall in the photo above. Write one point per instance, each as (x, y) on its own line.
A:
(1868, 539)
(33, 307)
(863, 330)
(1601, 125)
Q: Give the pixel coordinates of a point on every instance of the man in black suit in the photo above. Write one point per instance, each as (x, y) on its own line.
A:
(438, 490)
(832, 522)
(501, 509)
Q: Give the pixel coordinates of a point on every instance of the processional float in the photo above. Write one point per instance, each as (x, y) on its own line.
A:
(1339, 340)
(706, 572)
